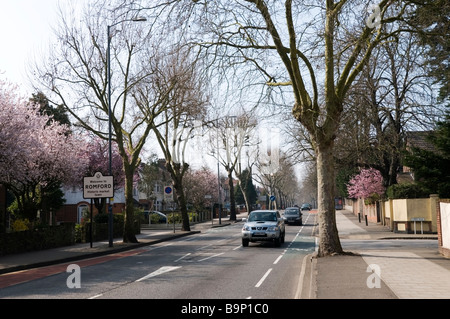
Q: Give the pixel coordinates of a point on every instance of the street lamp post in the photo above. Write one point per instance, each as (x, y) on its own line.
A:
(110, 219)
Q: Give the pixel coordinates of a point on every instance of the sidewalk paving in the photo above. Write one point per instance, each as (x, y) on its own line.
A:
(405, 273)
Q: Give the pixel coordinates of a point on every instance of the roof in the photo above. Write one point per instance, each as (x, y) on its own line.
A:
(420, 139)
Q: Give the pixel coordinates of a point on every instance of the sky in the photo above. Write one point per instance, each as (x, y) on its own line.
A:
(25, 32)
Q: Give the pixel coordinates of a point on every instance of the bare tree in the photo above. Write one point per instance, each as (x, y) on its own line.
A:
(293, 46)
(393, 94)
(186, 106)
(75, 76)
(227, 140)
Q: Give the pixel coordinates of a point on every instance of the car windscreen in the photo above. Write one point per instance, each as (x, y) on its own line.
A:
(291, 212)
(262, 216)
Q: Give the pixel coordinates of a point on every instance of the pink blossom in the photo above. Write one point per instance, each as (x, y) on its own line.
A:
(368, 182)
(32, 151)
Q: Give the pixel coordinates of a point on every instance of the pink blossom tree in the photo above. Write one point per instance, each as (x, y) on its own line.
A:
(198, 184)
(367, 183)
(36, 153)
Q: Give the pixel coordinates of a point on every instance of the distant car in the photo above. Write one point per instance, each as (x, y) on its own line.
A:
(293, 215)
(161, 218)
(306, 207)
(263, 225)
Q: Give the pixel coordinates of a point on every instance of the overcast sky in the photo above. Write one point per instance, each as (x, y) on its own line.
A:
(25, 29)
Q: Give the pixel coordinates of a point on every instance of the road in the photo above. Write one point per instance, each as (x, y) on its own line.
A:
(209, 265)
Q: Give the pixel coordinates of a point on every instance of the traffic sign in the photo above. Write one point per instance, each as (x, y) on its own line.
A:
(98, 186)
(272, 198)
(168, 193)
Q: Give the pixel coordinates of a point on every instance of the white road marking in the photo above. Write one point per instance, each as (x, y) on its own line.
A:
(160, 271)
(260, 282)
(182, 257)
(277, 260)
(211, 257)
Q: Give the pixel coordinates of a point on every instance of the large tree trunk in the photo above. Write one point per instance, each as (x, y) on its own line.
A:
(177, 172)
(232, 199)
(183, 207)
(329, 243)
(129, 235)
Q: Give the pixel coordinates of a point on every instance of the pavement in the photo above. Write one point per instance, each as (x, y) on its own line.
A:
(383, 265)
(394, 273)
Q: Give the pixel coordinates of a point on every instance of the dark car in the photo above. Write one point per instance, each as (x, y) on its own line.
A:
(293, 215)
(306, 207)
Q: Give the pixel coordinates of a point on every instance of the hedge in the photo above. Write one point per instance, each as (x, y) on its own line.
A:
(407, 190)
(37, 239)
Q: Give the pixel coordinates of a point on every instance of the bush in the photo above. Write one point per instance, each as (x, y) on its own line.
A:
(171, 217)
(37, 239)
(103, 218)
(408, 190)
(20, 225)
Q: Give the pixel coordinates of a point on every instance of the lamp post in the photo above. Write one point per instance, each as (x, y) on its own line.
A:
(137, 19)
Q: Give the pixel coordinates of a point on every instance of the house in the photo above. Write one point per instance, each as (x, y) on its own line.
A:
(416, 139)
(147, 194)
(76, 207)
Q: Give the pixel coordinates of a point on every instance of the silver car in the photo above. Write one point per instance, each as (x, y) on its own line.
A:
(263, 225)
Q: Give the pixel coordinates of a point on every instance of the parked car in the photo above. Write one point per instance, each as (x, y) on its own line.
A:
(155, 215)
(293, 215)
(263, 225)
(306, 207)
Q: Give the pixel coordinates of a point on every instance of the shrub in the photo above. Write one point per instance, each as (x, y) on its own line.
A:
(408, 190)
(20, 225)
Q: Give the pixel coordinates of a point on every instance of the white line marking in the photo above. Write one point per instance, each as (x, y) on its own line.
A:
(277, 260)
(182, 257)
(204, 247)
(96, 296)
(159, 272)
(263, 278)
(237, 247)
(298, 293)
(211, 256)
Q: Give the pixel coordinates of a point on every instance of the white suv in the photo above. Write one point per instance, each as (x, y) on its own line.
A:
(263, 225)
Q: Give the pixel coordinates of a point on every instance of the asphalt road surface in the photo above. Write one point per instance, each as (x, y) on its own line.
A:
(209, 265)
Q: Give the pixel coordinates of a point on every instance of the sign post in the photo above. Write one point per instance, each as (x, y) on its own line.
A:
(272, 199)
(418, 219)
(99, 186)
(168, 197)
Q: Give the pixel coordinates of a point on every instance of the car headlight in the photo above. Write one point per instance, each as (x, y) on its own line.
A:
(273, 228)
(247, 228)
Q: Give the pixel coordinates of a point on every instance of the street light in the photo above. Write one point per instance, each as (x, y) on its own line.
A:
(137, 19)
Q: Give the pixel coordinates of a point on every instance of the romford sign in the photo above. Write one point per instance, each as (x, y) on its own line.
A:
(98, 186)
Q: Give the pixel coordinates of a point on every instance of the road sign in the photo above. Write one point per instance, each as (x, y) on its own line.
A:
(272, 198)
(168, 193)
(98, 186)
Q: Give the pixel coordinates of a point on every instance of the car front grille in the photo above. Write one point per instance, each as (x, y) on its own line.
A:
(259, 228)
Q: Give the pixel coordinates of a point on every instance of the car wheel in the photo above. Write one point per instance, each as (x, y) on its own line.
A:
(277, 242)
(301, 222)
(245, 242)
